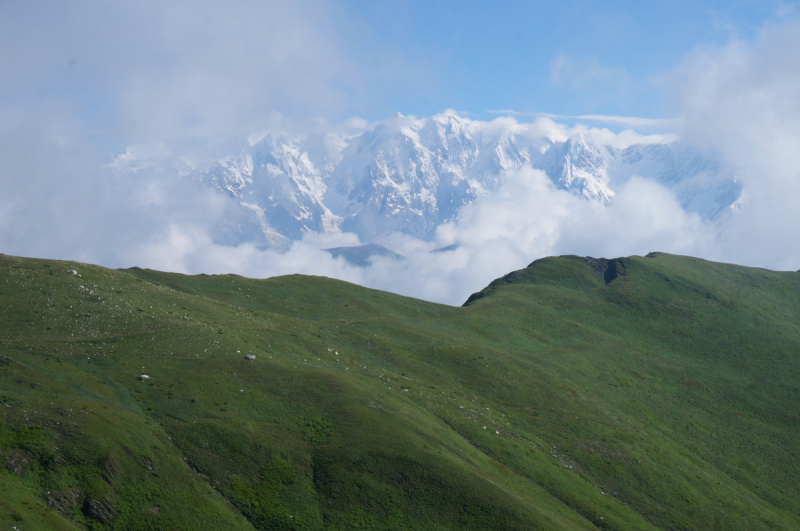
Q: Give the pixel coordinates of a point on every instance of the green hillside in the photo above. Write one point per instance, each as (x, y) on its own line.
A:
(639, 393)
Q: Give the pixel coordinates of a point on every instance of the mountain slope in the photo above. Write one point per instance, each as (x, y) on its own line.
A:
(578, 393)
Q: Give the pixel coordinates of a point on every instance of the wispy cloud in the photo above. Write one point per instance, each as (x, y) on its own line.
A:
(630, 121)
(585, 75)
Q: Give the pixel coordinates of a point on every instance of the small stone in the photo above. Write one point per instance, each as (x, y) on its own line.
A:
(249, 357)
(144, 377)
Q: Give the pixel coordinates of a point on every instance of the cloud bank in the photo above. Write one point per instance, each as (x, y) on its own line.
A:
(526, 218)
(741, 100)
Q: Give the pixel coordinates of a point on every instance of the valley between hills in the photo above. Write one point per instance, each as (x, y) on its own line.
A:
(656, 392)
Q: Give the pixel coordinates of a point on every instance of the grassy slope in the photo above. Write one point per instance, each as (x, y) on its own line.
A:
(560, 397)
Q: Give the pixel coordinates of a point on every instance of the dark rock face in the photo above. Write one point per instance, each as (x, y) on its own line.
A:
(111, 470)
(614, 269)
(610, 269)
(100, 511)
(147, 463)
(17, 462)
(63, 500)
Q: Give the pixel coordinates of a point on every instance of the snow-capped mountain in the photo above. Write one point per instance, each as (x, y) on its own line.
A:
(411, 175)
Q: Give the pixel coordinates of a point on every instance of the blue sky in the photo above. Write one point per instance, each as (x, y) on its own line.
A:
(569, 58)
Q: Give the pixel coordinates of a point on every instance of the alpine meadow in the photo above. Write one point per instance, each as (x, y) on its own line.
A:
(655, 392)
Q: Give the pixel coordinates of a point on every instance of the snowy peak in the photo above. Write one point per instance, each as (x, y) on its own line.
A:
(581, 167)
(412, 174)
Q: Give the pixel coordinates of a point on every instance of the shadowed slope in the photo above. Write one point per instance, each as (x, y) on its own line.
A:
(361, 255)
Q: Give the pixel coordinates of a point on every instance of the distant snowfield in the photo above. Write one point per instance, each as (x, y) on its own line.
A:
(413, 175)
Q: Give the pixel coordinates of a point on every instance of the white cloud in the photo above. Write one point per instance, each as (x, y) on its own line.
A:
(629, 121)
(183, 72)
(525, 219)
(741, 101)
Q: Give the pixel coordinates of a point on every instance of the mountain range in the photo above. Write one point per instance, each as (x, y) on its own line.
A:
(411, 175)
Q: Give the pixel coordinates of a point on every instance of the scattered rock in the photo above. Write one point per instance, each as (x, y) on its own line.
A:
(57, 460)
(63, 500)
(111, 470)
(72, 272)
(17, 462)
(144, 377)
(250, 357)
(100, 511)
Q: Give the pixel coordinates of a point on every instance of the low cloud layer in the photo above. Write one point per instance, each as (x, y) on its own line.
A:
(64, 198)
(526, 218)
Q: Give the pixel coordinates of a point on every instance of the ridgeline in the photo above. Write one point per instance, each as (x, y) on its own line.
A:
(656, 392)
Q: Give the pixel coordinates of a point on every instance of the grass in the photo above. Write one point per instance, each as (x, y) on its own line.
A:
(653, 392)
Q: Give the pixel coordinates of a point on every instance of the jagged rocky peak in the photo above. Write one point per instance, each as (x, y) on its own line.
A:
(580, 166)
(411, 174)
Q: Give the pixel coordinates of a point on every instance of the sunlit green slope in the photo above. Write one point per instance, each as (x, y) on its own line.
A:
(640, 393)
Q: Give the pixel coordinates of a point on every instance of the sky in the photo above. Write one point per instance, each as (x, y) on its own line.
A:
(568, 58)
(84, 82)
(207, 68)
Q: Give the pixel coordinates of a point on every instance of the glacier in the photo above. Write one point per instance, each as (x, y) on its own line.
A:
(411, 175)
